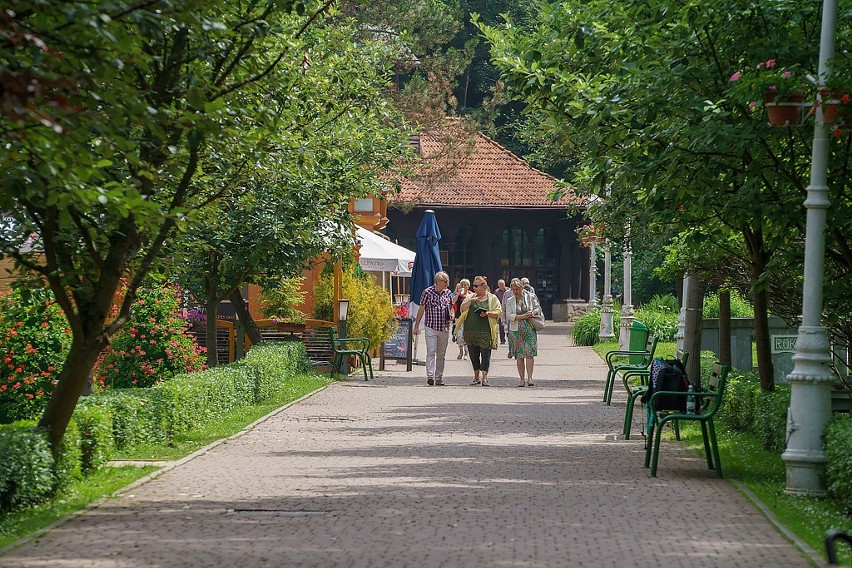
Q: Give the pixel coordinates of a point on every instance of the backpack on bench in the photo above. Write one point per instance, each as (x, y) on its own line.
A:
(667, 375)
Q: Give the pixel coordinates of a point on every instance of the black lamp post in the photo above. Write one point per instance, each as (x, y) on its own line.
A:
(343, 311)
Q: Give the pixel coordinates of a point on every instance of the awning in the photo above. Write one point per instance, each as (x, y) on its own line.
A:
(381, 255)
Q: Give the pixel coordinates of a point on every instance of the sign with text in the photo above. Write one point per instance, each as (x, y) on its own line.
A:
(783, 348)
(398, 347)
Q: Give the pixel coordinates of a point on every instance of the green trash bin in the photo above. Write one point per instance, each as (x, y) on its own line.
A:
(638, 338)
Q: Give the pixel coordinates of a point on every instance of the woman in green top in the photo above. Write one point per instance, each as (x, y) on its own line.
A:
(480, 312)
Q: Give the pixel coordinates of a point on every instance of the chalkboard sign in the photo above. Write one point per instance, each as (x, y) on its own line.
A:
(398, 347)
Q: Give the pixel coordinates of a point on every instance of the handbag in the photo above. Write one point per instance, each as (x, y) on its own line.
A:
(537, 322)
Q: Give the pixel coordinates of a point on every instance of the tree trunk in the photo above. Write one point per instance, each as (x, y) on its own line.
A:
(692, 333)
(244, 315)
(725, 327)
(76, 372)
(760, 298)
(212, 307)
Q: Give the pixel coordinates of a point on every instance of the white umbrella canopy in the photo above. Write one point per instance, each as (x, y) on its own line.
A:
(381, 255)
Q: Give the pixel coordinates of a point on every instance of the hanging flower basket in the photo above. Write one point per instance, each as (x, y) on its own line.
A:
(836, 105)
(786, 113)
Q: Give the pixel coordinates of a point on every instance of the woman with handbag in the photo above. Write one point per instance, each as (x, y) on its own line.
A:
(523, 312)
(479, 314)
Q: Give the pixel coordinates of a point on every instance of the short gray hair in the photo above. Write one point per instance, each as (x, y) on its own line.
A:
(525, 280)
(442, 276)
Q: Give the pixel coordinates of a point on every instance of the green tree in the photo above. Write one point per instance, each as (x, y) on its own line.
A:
(639, 93)
(332, 136)
(153, 90)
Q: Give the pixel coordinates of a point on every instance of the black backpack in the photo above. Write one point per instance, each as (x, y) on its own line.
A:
(667, 375)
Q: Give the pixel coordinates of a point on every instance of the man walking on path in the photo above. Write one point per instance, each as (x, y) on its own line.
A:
(435, 305)
(500, 292)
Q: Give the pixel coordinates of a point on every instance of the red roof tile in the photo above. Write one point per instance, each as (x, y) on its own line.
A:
(472, 170)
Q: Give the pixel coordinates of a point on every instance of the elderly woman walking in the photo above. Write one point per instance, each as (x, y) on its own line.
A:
(479, 314)
(521, 307)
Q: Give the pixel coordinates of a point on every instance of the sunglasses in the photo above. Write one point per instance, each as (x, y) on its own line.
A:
(477, 285)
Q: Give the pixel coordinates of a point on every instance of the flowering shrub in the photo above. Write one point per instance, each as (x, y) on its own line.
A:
(768, 82)
(151, 347)
(36, 340)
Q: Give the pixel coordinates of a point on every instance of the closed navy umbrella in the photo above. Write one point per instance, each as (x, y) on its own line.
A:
(428, 260)
(426, 263)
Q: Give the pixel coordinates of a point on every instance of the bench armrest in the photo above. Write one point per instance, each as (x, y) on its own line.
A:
(362, 344)
(612, 354)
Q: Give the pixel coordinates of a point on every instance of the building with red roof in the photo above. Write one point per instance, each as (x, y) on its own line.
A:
(495, 213)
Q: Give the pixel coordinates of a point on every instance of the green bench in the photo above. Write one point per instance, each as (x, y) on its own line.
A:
(622, 361)
(324, 349)
(635, 391)
(358, 347)
(707, 401)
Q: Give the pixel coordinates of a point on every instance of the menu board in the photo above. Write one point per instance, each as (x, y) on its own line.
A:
(398, 347)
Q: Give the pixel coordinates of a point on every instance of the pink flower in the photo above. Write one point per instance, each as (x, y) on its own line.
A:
(736, 76)
(786, 74)
(770, 63)
(752, 105)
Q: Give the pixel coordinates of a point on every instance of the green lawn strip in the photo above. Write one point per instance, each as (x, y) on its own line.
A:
(77, 496)
(763, 473)
(297, 387)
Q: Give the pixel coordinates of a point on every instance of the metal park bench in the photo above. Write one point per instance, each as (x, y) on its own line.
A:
(620, 362)
(708, 403)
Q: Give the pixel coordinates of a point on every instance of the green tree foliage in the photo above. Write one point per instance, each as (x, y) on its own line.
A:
(110, 156)
(333, 133)
(371, 312)
(639, 94)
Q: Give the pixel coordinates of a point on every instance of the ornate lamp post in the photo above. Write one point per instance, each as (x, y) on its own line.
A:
(627, 305)
(593, 274)
(810, 380)
(606, 331)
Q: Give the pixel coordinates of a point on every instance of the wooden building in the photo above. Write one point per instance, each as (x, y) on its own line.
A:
(495, 215)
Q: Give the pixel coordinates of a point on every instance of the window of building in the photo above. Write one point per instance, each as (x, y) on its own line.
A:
(516, 247)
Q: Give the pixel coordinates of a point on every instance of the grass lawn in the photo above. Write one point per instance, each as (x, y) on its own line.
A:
(110, 479)
(763, 473)
(79, 494)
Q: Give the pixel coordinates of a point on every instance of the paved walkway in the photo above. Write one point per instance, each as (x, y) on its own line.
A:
(395, 473)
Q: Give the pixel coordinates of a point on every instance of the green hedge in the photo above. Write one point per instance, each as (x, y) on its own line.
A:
(96, 442)
(838, 459)
(158, 414)
(123, 418)
(27, 473)
(746, 408)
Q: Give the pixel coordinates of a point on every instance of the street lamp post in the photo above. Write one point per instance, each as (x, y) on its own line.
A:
(627, 306)
(606, 330)
(593, 275)
(810, 380)
(343, 314)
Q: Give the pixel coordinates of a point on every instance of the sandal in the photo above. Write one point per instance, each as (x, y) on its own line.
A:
(522, 385)
(485, 384)
(530, 385)
(475, 382)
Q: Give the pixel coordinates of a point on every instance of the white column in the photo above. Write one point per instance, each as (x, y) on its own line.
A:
(680, 336)
(810, 380)
(606, 330)
(627, 306)
(593, 276)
